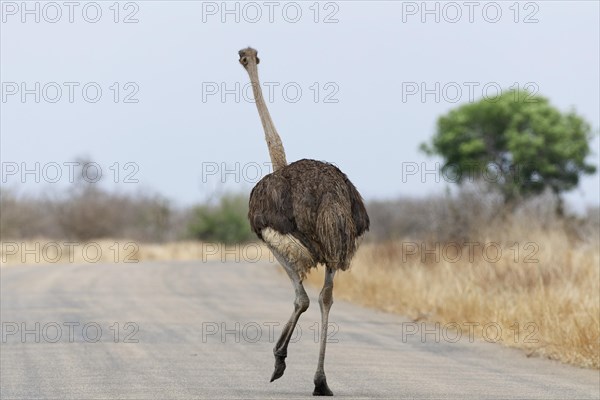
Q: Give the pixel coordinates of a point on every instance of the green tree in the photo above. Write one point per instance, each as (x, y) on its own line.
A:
(225, 222)
(517, 142)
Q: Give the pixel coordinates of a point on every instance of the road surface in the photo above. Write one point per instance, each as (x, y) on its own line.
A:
(206, 330)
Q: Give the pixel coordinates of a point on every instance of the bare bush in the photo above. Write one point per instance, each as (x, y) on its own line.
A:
(445, 217)
(89, 212)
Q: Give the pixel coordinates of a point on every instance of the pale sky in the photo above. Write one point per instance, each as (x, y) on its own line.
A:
(342, 76)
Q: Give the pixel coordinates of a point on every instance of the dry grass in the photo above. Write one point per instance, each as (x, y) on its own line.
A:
(556, 298)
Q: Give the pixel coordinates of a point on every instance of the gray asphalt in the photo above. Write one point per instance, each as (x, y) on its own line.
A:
(183, 316)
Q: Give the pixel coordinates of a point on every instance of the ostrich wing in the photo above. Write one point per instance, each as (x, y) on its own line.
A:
(271, 206)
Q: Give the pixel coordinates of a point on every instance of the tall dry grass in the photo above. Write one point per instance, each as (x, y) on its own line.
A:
(550, 286)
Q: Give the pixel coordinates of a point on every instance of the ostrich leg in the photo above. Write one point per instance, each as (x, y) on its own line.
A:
(300, 305)
(325, 302)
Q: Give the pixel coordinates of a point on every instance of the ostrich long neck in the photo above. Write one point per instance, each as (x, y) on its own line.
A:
(276, 150)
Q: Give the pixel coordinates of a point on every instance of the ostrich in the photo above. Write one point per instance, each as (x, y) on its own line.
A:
(307, 213)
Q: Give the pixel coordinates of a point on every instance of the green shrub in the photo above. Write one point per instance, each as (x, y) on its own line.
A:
(226, 222)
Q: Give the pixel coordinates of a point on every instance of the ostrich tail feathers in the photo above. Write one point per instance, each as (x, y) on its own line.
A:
(335, 231)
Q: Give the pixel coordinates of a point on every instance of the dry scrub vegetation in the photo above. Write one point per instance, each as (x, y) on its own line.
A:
(552, 281)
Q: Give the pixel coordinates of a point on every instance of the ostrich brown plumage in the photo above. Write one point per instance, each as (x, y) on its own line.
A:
(308, 213)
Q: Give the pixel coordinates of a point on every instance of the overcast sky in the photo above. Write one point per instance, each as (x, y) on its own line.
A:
(346, 80)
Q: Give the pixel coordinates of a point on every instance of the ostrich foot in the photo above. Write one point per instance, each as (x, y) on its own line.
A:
(279, 368)
(321, 388)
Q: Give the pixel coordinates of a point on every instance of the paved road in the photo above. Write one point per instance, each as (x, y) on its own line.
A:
(178, 313)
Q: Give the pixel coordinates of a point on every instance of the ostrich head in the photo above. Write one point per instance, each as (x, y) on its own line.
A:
(247, 56)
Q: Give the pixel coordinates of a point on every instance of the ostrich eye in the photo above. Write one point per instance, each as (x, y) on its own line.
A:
(257, 60)
(244, 60)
